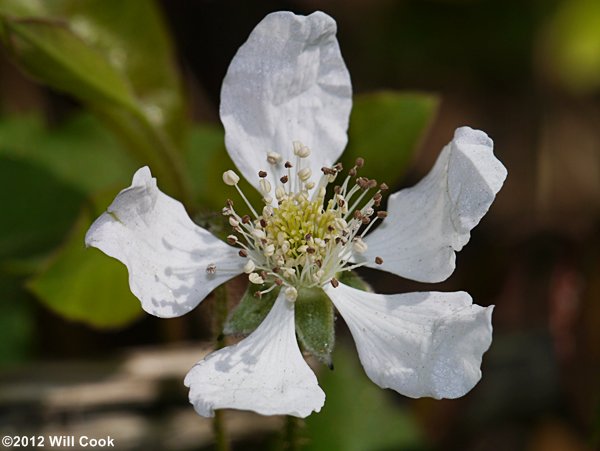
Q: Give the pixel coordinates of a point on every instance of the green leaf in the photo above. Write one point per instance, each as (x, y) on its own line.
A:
(79, 152)
(125, 74)
(251, 311)
(16, 322)
(84, 285)
(358, 415)
(352, 279)
(37, 208)
(315, 323)
(207, 159)
(572, 45)
(51, 52)
(386, 129)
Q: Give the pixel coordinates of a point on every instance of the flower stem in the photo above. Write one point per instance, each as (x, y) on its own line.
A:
(221, 442)
(220, 316)
(291, 434)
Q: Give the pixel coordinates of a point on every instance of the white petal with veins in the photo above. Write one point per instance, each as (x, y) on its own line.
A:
(428, 223)
(173, 263)
(418, 344)
(265, 372)
(287, 83)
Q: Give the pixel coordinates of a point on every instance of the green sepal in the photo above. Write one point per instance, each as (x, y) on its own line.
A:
(251, 311)
(353, 280)
(315, 323)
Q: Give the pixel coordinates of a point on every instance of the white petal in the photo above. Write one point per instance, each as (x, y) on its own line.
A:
(287, 83)
(419, 344)
(167, 255)
(427, 223)
(265, 372)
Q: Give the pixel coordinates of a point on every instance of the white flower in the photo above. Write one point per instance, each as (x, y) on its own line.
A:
(285, 105)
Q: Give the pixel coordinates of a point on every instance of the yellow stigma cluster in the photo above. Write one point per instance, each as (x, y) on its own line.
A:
(300, 228)
(300, 239)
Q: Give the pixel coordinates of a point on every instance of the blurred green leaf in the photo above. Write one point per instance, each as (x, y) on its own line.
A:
(572, 42)
(386, 129)
(37, 208)
(51, 52)
(84, 285)
(117, 58)
(207, 159)
(358, 415)
(315, 323)
(352, 279)
(251, 311)
(79, 152)
(45, 176)
(16, 321)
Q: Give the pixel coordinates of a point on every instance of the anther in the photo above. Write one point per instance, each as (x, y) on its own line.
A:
(278, 282)
(360, 162)
(211, 268)
(243, 253)
(334, 282)
(383, 187)
(273, 157)
(232, 239)
(284, 179)
(382, 214)
(338, 167)
(310, 250)
(249, 267)
(246, 219)
(263, 223)
(230, 178)
(262, 174)
(378, 260)
(256, 279)
(372, 183)
(352, 172)
(288, 165)
(291, 294)
(265, 186)
(304, 174)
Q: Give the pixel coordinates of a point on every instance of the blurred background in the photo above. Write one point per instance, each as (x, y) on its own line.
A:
(91, 90)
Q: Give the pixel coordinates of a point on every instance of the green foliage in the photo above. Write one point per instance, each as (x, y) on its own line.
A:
(352, 279)
(573, 44)
(385, 129)
(251, 311)
(16, 322)
(84, 285)
(32, 220)
(45, 175)
(358, 415)
(125, 74)
(315, 323)
(206, 160)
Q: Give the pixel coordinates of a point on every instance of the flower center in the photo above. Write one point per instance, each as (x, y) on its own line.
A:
(301, 239)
